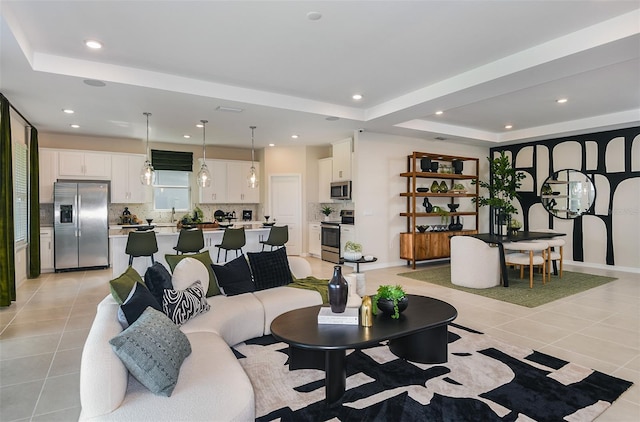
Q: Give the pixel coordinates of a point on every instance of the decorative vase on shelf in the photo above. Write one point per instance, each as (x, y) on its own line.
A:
(338, 291)
(427, 205)
(443, 187)
(435, 187)
(425, 164)
(457, 166)
(455, 224)
(434, 167)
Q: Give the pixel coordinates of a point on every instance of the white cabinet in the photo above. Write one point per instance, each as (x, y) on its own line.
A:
(46, 249)
(86, 165)
(229, 184)
(347, 234)
(238, 190)
(325, 169)
(341, 160)
(126, 187)
(48, 174)
(314, 239)
(217, 192)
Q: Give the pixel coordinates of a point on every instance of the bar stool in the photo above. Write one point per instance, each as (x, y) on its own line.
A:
(232, 239)
(141, 244)
(278, 236)
(189, 241)
(529, 258)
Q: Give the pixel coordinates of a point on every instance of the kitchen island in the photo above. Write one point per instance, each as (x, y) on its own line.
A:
(167, 238)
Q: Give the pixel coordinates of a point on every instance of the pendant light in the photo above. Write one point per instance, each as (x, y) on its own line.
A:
(147, 173)
(204, 176)
(252, 179)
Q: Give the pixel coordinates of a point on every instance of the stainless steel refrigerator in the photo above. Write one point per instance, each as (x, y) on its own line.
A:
(81, 229)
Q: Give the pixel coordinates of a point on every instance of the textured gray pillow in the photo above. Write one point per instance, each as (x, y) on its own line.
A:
(153, 349)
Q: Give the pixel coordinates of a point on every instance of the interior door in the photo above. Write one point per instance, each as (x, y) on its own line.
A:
(285, 206)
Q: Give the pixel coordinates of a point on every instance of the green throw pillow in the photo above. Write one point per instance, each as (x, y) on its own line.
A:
(121, 286)
(153, 349)
(203, 257)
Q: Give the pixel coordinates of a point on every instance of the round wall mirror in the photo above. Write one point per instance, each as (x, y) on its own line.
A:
(567, 194)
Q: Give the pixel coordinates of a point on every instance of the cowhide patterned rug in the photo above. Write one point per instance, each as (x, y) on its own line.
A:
(484, 380)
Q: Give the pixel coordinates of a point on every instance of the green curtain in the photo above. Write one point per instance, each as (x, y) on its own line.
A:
(7, 252)
(34, 206)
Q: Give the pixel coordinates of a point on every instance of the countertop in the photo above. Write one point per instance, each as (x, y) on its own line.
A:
(118, 231)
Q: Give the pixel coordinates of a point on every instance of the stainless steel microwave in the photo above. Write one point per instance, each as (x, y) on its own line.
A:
(341, 190)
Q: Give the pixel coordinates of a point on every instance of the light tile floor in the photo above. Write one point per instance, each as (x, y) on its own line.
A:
(43, 332)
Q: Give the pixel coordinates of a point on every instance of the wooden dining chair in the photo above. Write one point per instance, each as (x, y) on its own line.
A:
(527, 253)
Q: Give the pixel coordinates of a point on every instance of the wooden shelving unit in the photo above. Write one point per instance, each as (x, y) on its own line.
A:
(416, 246)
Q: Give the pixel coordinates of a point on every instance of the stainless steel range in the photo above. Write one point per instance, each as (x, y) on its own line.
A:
(330, 237)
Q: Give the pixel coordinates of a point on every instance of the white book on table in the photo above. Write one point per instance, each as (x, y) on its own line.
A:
(348, 317)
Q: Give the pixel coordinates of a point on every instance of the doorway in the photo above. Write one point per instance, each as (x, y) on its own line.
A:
(285, 206)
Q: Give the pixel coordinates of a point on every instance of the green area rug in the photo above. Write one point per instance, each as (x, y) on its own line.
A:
(518, 291)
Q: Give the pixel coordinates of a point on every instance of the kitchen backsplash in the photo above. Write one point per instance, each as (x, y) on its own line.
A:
(144, 211)
(314, 210)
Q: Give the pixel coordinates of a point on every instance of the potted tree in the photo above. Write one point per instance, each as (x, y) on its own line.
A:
(505, 182)
(390, 300)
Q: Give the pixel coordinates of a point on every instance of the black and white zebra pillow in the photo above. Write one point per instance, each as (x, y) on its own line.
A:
(182, 305)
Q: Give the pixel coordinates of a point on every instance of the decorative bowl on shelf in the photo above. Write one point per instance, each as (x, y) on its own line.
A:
(422, 228)
(267, 224)
(423, 190)
(453, 207)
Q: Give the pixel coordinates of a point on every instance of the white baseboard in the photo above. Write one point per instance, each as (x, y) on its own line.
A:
(603, 266)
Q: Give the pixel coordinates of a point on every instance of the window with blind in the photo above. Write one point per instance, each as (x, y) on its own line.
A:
(171, 190)
(20, 192)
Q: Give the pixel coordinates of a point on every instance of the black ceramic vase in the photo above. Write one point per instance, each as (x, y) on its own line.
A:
(338, 290)
(427, 205)
(434, 167)
(457, 166)
(386, 305)
(455, 225)
(425, 164)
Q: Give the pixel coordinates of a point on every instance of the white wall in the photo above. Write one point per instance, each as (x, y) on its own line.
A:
(379, 160)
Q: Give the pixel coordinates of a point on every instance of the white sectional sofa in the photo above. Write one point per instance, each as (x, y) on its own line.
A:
(212, 385)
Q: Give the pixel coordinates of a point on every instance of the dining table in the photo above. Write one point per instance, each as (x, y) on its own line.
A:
(518, 236)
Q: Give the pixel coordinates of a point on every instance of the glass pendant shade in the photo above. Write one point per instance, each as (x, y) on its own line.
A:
(252, 178)
(204, 175)
(147, 173)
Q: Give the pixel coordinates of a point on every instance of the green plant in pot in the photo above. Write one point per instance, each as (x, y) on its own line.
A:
(326, 210)
(352, 251)
(503, 188)
(391, 300)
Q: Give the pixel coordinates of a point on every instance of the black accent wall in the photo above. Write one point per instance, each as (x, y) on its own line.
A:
(603, 162)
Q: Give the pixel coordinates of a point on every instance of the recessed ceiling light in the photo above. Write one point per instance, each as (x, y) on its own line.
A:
(294, 136)
(230, 109)
(186, 136)
(93, 44)
(561, 100)
(94, 82)
(314, 16)
(272, 145)
(67, 110)
(332, 118)
(508, 126)
(199, 125)
(439, 112)
(357, 96)
(75, 126)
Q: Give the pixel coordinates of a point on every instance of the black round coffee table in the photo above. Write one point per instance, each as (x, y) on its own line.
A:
(419, 335)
